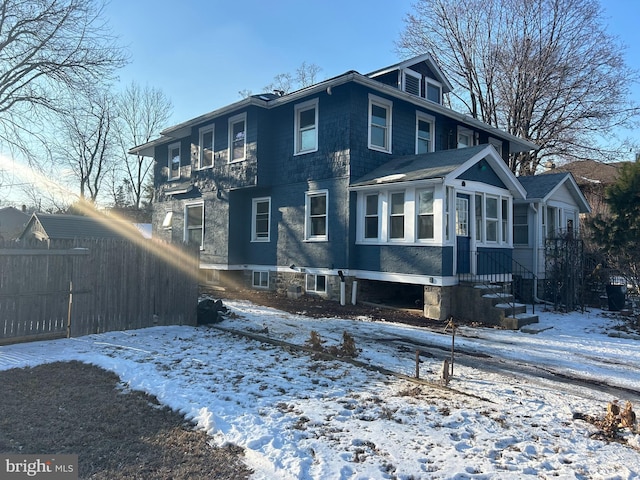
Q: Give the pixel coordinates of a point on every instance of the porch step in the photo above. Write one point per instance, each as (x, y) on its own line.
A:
(490, 305)
(511, 309)
(519, 320)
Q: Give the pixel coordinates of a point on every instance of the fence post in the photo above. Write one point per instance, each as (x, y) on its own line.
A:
(69, 311)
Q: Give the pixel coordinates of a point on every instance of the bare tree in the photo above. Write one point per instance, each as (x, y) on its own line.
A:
(87, 143)
(142, 113)
(306, 74)
(543, 70)
(49, 48)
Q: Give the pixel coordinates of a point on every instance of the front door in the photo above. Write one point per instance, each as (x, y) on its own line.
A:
(463, 237)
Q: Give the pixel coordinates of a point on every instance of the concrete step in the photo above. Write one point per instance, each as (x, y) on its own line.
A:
(519, 321)
(511, 309)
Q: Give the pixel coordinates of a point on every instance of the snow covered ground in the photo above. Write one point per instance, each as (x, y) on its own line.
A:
(305, 418)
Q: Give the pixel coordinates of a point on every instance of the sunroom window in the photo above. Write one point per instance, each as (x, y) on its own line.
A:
(425, 215)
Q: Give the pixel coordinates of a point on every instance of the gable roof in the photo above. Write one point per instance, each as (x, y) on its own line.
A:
(541, 188)
(12, 221)
(267, 101)
(67, 227)
(443, 165)
(590, 172)
(425, 58)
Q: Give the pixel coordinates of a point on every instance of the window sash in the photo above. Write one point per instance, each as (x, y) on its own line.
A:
(520, 225)
(424, 135)
(396, 216)
(379, 124)
(174, 161)
(491, 223)
(206, 148)
(371, 217)
(261, 220)
(261, 279)
(237, 136)
(426, 220)
(317, 215)
(194, 219)
(306, 136)
(316, 283)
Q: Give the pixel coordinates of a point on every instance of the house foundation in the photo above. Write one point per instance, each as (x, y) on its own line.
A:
(437, 302)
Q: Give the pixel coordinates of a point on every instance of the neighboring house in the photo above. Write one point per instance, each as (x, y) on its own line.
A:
(550, 211)
(12, 222)
(593, 178)
(364, 183)
(44, 226)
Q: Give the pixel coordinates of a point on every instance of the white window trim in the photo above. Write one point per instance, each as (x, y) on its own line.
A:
(315, 283)
(408, 72)
(468, 132)
(259, 285)
(186, 222)
(296, 133)
(378, 217)
(521, 225)
(388, 105)
(482, 240)
(430, 119)
(430, 81)
(254, 213)
(433, 214)
(233, 120)
(170, 159)
(497, 219)
(202, 131)
(307, 216)
(391, 215)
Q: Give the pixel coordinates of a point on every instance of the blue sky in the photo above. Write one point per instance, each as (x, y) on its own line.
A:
(202, 53)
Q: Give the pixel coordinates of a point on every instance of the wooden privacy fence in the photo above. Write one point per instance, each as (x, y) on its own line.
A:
(73, 288)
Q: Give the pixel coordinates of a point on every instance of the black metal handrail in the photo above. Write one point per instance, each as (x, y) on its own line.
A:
(497, 270)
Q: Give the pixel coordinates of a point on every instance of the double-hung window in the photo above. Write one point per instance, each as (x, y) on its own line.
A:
(174, 161)
(371, 217)
(306, 127)
(479, 217)
(505, 221)
(520, 225)
(491, 222)
(424, 133)
(194, 224)
(396, 216)
(433, 90)
(380, 124)
(261, 211)
(238, 138)
(316, 221)
(205, 158)
(425, 214)
(465, 137)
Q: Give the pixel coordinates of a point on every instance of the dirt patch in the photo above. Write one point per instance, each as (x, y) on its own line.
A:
(75, 408)
(318, 307)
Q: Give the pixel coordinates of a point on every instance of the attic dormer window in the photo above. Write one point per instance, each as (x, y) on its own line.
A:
(434, 90)
(411, 82)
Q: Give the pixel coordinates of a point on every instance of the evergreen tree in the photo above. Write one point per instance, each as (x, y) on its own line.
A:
(618, 232)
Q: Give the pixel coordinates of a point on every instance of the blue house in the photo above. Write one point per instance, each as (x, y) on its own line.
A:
(357, 187)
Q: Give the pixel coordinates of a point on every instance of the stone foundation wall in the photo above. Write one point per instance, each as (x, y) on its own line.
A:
(438, 302)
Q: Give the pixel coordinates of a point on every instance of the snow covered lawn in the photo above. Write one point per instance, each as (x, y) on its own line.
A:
(305, 418)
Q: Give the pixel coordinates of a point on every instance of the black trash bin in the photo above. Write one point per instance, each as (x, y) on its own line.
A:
(616, 294)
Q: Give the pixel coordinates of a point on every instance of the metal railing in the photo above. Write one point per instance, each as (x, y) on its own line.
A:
(499, 272)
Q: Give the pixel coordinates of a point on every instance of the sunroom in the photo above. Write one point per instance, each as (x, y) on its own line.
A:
(427, 219)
